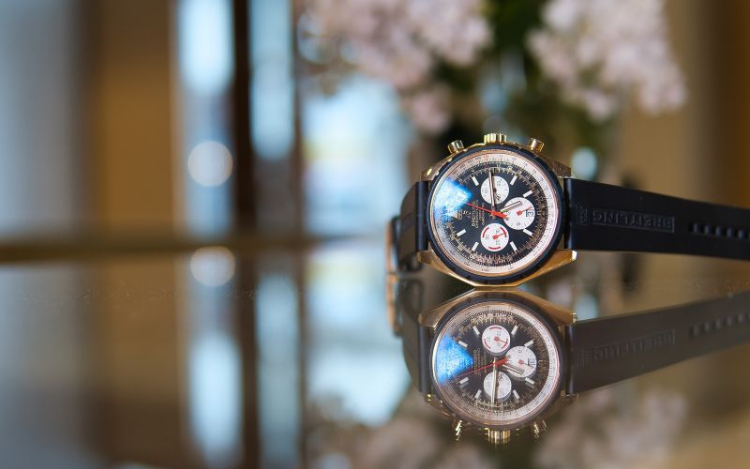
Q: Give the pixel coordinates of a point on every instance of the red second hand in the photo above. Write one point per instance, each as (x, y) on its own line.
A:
(495, 363)
(497, 214)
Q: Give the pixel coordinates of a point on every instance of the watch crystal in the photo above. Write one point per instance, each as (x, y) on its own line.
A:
(494, 230)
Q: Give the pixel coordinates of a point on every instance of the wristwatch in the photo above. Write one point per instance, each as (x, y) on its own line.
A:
(500, 361)
(502, 213)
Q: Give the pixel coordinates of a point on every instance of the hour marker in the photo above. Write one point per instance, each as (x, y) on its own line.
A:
(515, 395)
(529, 343)
(474, 248)
(513, 181)
(530, 381)
(476, 331)
(464, 381)
(528, 232)
(473, 178)
(478, 394)
(515, 329)
(463, 344)
(513, 245)
(528, 193)
(461, 233)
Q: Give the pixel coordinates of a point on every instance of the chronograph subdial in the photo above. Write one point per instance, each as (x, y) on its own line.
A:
(494, 237)
(502, 386)
(520, 213)
(500, 189)
(496, 340)
(522, 362)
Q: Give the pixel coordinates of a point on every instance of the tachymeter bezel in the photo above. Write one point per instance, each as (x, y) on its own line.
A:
(501, 278)
(521, 304)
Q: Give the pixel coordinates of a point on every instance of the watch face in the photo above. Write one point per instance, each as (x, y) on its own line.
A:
(496, 364)
(495, 214)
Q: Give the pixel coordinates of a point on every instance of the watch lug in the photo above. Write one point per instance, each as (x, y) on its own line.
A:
(429, 173)
(560, 170)
(558, 259)
(430, 258)
(561, 316)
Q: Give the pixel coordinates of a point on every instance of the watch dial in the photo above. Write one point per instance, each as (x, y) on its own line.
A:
(495, 213)
(496, 363)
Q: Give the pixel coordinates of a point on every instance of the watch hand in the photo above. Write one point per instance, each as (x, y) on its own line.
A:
(512, 368)
(497, 214)
(494, 385)
(495, 363)
(520, 212)
(511, 206)
(492, 189)
(498, 339)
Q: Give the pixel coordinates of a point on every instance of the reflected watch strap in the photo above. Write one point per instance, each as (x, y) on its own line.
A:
(415, 338)
(606, 350)
(410, 227)
(611, 218)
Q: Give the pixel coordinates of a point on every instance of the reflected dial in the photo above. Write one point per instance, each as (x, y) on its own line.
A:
(470, 353)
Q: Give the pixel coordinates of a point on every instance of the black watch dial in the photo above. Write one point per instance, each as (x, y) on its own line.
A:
(496, 364)
(495, 213)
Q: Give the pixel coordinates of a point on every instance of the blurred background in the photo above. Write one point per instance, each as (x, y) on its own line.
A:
(193, 197)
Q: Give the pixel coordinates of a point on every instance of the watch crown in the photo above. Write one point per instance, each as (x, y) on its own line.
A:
(455, 146)
(498, 436)
(495, 138)
(538, 428)
(535, 145)
(457, 428)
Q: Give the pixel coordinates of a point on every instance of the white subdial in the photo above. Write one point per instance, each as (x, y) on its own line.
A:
(496, 339)
(503, 386)
(521, 362)
(521, 215)
(494, 237)
(501, 189)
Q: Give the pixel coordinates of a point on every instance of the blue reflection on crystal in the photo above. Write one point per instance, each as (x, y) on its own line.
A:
(451, 359)
(449, 198)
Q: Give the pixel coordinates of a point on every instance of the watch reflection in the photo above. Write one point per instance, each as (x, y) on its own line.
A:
(492, 361)
(499, 364)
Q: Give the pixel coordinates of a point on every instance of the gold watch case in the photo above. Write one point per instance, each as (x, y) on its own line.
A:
(559, 257)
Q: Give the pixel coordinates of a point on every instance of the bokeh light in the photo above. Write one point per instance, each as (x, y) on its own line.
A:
(212, 266)
(210, 164)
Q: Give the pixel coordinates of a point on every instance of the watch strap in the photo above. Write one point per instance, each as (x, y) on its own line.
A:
(606, 350)
(604, 217)
(410, 228)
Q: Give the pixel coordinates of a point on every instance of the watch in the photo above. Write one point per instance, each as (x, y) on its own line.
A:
(500, 361)
(502, 213)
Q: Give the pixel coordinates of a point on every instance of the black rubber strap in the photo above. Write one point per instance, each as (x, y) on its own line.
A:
(410, 227)
(612, 218)
(606, 350)
(415, 338)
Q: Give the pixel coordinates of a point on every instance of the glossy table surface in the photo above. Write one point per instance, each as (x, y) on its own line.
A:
(277, 357)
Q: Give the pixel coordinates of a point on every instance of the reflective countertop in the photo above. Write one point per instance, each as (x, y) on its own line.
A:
(205, 356)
